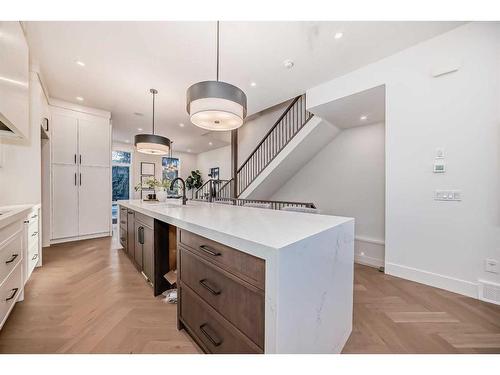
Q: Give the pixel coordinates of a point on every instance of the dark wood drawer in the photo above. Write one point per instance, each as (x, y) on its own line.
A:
(238, 301)
(245, 266)
(210, 329)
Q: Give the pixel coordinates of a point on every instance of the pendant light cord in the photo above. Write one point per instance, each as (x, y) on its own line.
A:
(154, 112)
(217, 50)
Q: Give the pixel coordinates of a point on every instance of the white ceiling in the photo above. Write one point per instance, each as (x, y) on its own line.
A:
(123, 60)
(362, 108)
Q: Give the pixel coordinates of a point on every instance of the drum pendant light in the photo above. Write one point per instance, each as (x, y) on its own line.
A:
(152, 144)
(216, 105)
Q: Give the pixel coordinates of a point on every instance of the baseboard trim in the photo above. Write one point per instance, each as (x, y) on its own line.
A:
(451, 284)
(79, 238)
(368, 261)
(369, 251)
(370, 240)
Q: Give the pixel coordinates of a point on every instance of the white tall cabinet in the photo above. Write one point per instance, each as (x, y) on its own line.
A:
(81, 173)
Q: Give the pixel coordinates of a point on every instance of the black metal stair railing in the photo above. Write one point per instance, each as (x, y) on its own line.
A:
(282, 132)
(210, 189)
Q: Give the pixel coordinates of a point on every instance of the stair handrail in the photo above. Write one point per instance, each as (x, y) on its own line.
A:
(269, 132)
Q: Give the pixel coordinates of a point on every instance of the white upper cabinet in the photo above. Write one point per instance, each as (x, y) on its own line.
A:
(14, 81)
(94, 142)
(64, 139)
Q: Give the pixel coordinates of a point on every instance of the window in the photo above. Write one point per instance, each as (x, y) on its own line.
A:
(170, 170)
(120, 157)
(120, 173)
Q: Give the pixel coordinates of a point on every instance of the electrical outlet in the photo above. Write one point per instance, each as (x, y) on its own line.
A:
(491, 265)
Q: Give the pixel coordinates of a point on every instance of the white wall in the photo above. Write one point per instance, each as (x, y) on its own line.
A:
(220, 157)
(20, 160)
(347, 178)
(444, 244)
(255, 128)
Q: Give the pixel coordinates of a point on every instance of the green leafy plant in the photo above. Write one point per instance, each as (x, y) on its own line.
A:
(151, 183)
(194, 181)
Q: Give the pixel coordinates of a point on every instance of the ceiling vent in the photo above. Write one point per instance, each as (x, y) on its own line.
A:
(489, 292)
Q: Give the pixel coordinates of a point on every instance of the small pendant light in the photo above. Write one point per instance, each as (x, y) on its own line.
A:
(152, 144)
(216, 105)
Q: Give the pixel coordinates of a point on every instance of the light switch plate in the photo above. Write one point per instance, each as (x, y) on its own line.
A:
(448, 195)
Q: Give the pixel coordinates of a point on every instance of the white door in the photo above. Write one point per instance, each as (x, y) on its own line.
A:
(94, 142)
(95, 198)
(64, 201)
(64, 139)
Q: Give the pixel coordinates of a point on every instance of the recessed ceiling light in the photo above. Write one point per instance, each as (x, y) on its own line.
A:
(253, 84)
(181, 125)
(363, 118)
(79, 98)
(188, 150)
(140, 129)
(78, 62)
(127, 141)
(338, 35)
(288, 64)
(210, 143)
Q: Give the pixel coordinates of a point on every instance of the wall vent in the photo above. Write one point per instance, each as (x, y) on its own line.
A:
(489, 292)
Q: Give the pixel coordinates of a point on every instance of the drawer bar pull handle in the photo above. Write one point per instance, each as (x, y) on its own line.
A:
(34, 234)
(14, 292)
(34, 257)
(215, 341)
(203, 282)
(13, 258)
(209, 250)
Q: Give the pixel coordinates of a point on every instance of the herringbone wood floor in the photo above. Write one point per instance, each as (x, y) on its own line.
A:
(89, 298)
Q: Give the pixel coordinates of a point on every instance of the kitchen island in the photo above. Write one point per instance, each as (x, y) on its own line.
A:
(301, 264)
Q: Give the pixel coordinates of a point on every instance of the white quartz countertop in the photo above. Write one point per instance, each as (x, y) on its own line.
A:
(9, 214)
(240, 227)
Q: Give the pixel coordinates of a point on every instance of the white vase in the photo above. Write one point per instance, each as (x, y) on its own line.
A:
(161, 195)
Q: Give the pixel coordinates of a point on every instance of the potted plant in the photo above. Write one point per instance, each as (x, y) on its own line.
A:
(194, 181)
(152, 184)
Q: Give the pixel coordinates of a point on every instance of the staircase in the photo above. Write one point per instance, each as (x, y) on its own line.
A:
(281, 133)
(289, 144)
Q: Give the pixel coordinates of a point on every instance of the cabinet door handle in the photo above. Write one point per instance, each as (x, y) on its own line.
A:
(80, 158)
(34, 257)
(80, 179)
(34, 216)
(12, 258)
(140, 235)
(216, 341)
(203, 282)
(75, 158)
(14, 292)
(34, 234)
(75, 179)
(209, 250)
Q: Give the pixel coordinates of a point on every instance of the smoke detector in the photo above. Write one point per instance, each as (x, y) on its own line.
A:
(288, 64)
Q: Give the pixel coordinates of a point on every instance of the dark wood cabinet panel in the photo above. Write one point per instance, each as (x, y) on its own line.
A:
(239, 302)
(139, 238)
(245, 266)
(212, 332)
(148, 254)
(130, 233)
